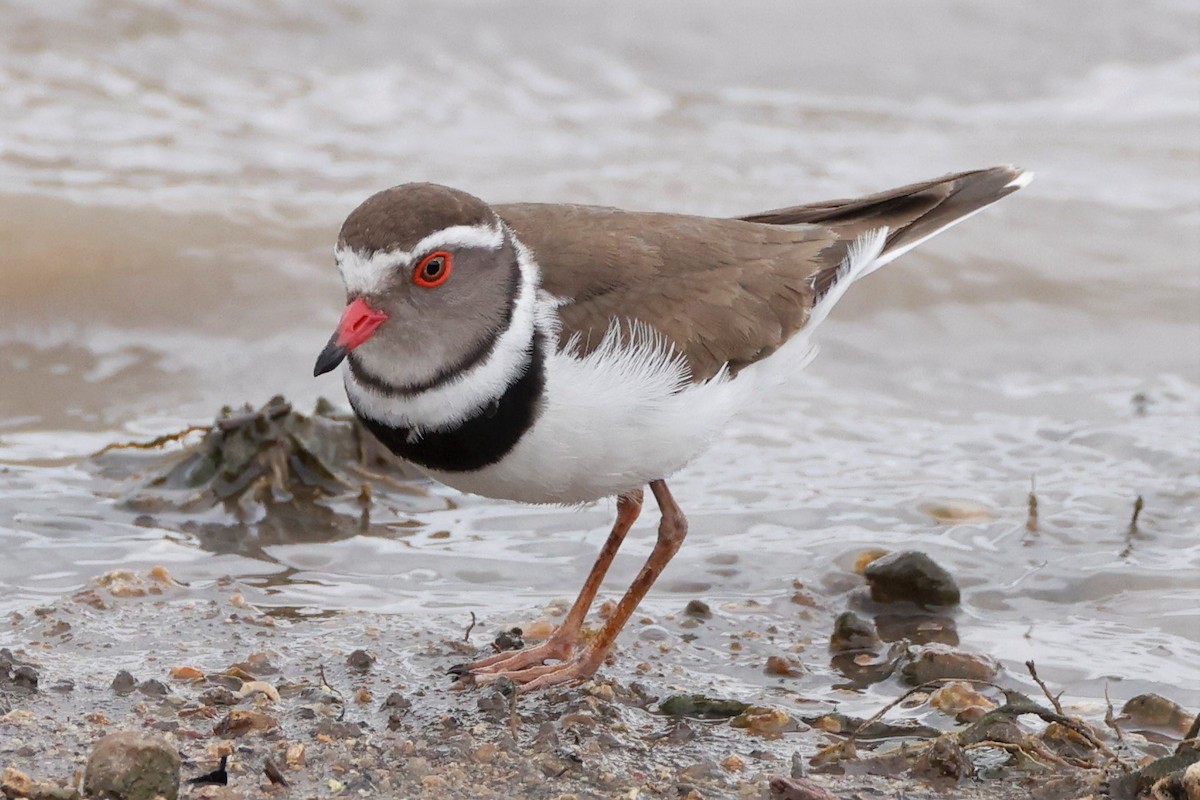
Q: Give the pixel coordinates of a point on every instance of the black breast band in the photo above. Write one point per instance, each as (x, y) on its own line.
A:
(479, 440)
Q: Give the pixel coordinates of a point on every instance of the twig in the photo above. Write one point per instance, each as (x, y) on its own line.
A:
(1137, 512)
(326, 685)
(927, 684)
(1051, 697)
(1031, 521)
(154, 443)
(467, 634)
(1109, 719)
(1052, 758)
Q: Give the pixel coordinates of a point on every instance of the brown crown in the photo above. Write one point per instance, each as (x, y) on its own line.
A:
(399, 217)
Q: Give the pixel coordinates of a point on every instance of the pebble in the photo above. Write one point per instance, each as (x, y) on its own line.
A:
(124, 683)
(853, 634)
(911, 576)
(698, 609)
(781, 665)
(1156, 711)
(132, 766)
(360, 660)
(783, 788)
(944, 758)
(937, 661)
(763, 721)
(961, 701)
(239, 722)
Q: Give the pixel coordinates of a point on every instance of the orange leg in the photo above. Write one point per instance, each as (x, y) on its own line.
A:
(671, 531)
(561, 643)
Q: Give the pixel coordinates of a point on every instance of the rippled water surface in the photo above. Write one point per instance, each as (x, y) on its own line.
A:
(172, 177)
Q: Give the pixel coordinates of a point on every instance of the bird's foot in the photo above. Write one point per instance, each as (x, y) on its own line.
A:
(528, 668)
(540, 676)
(499, 665)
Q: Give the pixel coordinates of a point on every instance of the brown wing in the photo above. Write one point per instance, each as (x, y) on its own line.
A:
(723, 291)
(726, 291)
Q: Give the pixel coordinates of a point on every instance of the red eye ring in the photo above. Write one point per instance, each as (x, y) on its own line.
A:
(433, 270)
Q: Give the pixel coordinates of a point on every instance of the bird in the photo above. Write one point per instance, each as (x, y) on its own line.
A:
(563, 354)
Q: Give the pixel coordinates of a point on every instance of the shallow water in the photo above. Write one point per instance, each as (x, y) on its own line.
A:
(173, 178)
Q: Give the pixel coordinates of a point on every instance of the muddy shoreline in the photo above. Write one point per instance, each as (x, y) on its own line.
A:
(358, 704)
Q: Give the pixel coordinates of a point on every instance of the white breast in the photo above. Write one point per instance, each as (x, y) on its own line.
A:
(611, 421)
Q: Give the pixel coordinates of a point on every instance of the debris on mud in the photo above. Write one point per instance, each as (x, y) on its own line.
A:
(250, 459)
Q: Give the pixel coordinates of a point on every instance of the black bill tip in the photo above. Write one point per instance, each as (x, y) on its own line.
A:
(330, 357)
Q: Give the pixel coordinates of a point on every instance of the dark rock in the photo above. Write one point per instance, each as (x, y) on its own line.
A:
(360, 660)
(852, 633)
(937, 661)
(124, 683)
(701, 707)
(153, 688)
(911, 576)
(698, 609)
(132, 766)
(944, 758)
(511, 639)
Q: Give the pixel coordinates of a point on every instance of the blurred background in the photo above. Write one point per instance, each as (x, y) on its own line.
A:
(173, 176)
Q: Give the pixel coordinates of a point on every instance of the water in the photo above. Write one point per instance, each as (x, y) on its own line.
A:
(173, 177)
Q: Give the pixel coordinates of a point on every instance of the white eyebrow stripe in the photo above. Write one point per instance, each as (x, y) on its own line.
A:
(363, 272)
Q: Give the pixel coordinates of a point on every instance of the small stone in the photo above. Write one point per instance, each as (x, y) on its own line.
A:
(186, 673)
(698, 609)
(763, 721)
(734, 763)
(220, 696)
(239, 722)
(944, 758)
(259, 687)
(294, 755)
(937, 661)
(15, 783)
(911, 576)
(485, 753)
(132, 766)
(781, 665)
(511, 639)
(853, 634)
(784, 788)
(360, 660)
(961, 701)
(1155, 711)
(1191, 782)
(153, 688)
(124, 683)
